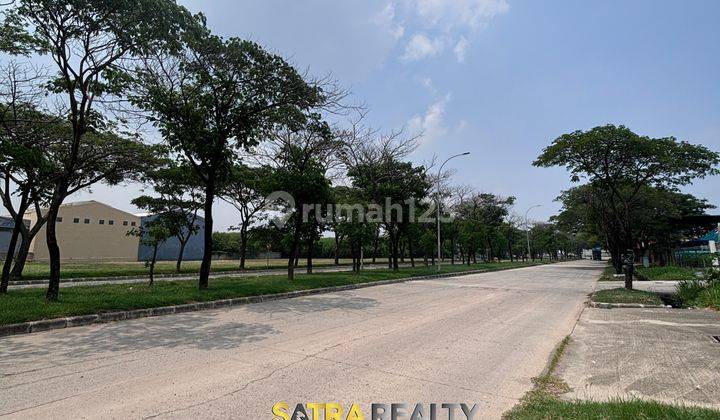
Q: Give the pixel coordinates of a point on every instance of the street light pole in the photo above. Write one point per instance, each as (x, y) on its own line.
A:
(437, 207)
(527, 226)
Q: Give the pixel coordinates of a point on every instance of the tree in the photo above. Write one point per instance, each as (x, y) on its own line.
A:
(481, 218)
(246, 189)
(618, 163)
(217, 97)
(300, 161)
(87, 40)
(154, 233)
(179, 194)
(656, 218)
(25, 132)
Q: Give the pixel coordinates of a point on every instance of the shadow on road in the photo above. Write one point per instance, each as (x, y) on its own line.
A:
(315, 304)
(194, 330)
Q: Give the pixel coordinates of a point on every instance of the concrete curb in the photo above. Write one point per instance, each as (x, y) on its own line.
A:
(80, 320)
(604, 305)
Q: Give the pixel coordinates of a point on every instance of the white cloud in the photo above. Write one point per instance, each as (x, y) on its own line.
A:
(460, 49)
(420, 46)
(431, 124)
(386, 19)
(441, 21)
(472, 13)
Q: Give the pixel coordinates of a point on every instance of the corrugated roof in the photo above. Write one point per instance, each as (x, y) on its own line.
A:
(711, 236)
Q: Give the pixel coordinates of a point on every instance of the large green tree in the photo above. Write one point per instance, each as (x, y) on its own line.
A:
(178, 198)
(87, 40)
(215, 98)
(618, 164)
(246, 188)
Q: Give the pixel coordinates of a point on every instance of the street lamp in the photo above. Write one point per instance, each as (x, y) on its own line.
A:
(439, 254)
(527, 226)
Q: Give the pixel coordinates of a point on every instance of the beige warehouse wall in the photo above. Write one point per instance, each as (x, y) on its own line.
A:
(90, 241)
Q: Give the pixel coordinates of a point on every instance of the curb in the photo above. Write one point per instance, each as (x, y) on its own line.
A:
(604, 305)
(104, 317)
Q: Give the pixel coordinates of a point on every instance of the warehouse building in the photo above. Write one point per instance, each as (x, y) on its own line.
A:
(89, 231)
(170, 249)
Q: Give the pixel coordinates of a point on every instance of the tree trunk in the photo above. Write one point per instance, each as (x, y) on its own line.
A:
(243, 244)
(5, 280)
(204, 279)
(629, 269)
(21, 256)
(53, 291)
(452, 251)
(178, 263)
(292, 258)
(337, 248)
(375, 244)
(309, 258)
(18, 229)
(410, 250)
(152, 264)
(394, 245)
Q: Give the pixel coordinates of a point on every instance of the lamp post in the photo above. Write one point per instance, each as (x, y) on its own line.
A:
(439, 254)
(527, 226)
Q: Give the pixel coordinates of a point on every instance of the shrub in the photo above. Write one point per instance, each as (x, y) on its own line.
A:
(689, 290)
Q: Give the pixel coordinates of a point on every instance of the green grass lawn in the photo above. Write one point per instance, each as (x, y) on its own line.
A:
(539, 407)
(667, 273)
(607, 274)
(41, 270)
(622, 295)
(29, 304)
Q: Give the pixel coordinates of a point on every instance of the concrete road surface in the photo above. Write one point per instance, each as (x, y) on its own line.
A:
(476, 339)
(668, 355)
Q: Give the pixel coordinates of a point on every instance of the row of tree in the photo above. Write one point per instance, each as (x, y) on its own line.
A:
(630, 200)
(235, 123)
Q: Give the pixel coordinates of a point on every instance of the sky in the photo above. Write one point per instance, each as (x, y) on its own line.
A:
(498, 78)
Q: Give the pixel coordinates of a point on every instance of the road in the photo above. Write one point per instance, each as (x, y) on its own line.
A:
(477, 338)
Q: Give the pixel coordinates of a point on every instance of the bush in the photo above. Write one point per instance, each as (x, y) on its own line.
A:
(689, 290)
(703, 292)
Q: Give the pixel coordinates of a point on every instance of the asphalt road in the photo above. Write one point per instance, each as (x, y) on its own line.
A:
(476, 339)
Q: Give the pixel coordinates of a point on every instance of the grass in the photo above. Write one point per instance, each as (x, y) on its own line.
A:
(29, 304)
(554, 408)
(41, 270)
(669, 272)
(544, 402)
(703, 293)
(622, 295)
(607, 274)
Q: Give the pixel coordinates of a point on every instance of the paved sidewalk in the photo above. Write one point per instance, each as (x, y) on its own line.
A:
(668, 355)
(658, 286)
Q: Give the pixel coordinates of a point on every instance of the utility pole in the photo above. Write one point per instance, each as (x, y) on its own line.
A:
(527, 227)
(437, 207)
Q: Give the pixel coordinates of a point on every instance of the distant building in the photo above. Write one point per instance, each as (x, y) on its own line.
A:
(89, 231)
(170, 249)
(6, 227)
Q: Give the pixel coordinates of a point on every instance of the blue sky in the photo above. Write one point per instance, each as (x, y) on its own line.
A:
(500, 78)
